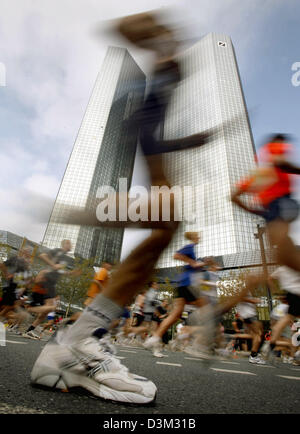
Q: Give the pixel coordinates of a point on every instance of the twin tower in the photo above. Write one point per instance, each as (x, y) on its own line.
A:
(104, 151)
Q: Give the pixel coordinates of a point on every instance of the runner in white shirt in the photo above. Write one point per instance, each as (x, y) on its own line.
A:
(289, 280)
(248, 313)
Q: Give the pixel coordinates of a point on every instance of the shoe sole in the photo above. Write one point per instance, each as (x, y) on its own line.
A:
(82, 391)
(91, 388)
(31, 337)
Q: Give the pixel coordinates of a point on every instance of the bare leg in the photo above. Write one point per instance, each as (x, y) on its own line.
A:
(287, 252)
(255, 331)
(127, 281)
(279, 326)
(172, 318)
(6, 310)
(137, 269)
(42, 311)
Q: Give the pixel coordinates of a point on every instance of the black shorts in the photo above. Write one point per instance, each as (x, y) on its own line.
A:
(284, 208)
(37, 299)
(51, 293)
(148, 316)
(294, 304)
(250, 320)
(9, 297)
(137, 319)
(184, 292)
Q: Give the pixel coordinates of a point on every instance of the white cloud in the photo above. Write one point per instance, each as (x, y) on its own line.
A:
(42, 184)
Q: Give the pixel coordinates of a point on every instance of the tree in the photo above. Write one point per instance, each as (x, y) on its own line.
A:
(233, 282)
(167, 289)
(73, 289)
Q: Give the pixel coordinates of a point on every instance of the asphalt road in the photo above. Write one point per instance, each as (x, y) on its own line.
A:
(185, 385)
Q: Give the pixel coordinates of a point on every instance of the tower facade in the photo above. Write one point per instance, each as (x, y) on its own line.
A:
(211, 94)
(104, 151)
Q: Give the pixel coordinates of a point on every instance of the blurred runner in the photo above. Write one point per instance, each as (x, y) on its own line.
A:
(248, 313)
(77, 358)
(289, 281)
(17, 276)
(271, 188)
(43, 293)
(184, 292)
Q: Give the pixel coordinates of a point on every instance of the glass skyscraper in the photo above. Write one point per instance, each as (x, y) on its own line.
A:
(210, 94)
(104, 151)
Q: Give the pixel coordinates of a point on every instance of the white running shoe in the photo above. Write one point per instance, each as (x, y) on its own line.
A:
(17, 332)
(199, 352)
(265, 349)
(288, 360)
(154, 342)
(90, 366)
(258, 360)
(13, 329)
(157, 353)
(223, 353)
(31, 335)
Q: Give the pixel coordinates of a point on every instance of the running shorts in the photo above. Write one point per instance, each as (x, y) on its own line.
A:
(250, 320)
(284, 208)
(137, 319)
(148, 316)
(51, 293)
(185, 292)
(294, 304)
(9, 297)
(37, 299)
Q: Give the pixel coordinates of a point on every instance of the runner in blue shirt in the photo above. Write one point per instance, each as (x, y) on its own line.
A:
(184, 294)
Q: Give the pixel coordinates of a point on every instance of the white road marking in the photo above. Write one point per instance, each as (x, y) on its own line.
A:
(229, 363)
(14, 342)
(169, 364)
(289, 377)
(193, 358)
(120, 357)
(127, 351)
(233, 371)
(264, 366)
(132, 347)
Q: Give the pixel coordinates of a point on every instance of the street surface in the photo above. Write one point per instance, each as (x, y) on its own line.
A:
(185, 385)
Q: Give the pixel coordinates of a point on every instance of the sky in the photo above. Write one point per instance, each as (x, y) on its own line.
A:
(51, 57)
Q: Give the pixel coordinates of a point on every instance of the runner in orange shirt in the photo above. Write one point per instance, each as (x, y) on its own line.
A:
(99, 282)
(271, 187)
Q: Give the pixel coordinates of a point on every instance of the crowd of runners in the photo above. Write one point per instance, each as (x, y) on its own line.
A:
(125, 305)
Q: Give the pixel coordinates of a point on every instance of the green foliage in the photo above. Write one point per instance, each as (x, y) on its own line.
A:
(73, 289)
(167, 289)
(231, 284)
